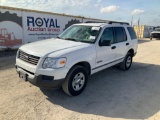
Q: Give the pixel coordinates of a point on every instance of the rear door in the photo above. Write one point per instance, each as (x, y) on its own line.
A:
(132, 38)
(122, 43)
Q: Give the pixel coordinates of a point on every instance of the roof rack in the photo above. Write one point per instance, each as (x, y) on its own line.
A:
(95, 22)
(109, 22)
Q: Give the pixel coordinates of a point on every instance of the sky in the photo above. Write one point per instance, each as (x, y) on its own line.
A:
(148, 11)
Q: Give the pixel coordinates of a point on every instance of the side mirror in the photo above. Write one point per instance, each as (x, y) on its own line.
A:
(105, 43)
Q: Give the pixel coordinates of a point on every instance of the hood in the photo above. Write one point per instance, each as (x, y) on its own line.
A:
(155, 32)
(46, 47)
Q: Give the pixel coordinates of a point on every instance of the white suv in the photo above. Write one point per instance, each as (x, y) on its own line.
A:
(155, 33)
(81, 50)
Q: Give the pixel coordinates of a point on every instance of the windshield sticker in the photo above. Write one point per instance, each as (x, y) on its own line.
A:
(95, 28)
(92, 37)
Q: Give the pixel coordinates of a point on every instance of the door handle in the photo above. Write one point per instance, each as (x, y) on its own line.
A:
(127, 44)
(114, 47)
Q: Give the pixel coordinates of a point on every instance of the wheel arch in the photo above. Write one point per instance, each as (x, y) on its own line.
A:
(131, 51)
(84, 64)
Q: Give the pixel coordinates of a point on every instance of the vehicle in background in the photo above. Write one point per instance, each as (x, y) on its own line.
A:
(155, 33)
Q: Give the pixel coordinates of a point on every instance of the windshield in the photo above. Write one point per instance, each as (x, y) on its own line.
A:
(157, 29)
(80, 33)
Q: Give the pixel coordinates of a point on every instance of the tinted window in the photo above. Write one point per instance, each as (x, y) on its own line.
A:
(107, 34)
(157, 29)
(120, 34)
(132, 33)
(80, 33)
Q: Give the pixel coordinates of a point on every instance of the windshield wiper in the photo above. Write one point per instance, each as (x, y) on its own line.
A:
(72, 39)
(58, 37)
(86, 41)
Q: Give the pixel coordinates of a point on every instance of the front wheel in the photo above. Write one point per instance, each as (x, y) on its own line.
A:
(126, 64)
(76, 81)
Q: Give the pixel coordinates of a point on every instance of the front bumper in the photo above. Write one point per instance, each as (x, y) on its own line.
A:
(155, 35)
(40, 80)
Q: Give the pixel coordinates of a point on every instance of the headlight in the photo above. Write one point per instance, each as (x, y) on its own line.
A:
(54, 62)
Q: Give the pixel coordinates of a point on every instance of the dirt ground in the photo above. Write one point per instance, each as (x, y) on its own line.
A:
(111, 94)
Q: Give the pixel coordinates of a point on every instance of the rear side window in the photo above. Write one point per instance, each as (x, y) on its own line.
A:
(132, 33)
(120, 34)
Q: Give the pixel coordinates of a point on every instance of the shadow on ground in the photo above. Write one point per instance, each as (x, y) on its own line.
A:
(140, 41)
(7, 62)
(132, 94)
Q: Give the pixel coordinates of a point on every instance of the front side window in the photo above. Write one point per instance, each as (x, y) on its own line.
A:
(107, 35)
(80, 33)
(132, 33)
(120, 34)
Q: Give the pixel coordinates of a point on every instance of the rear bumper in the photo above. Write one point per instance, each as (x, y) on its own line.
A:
(43, 81)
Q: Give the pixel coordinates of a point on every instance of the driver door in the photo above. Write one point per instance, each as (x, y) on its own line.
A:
(105, 54)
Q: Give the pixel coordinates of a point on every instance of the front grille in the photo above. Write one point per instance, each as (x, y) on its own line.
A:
(28, 58)
(156, 34)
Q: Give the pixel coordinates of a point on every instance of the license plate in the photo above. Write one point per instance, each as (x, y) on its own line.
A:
(23, 76)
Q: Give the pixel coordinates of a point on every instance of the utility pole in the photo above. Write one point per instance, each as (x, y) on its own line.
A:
(139, 28)
(138, 21)
(132, 20)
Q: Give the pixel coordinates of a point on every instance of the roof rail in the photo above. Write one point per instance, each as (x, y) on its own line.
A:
(95, 22)
(109, 22)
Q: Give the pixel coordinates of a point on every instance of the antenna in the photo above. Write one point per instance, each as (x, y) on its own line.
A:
(132, 20)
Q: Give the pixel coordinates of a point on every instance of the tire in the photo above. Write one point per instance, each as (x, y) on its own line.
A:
(150, 38)
(126, 64)
(76, 81)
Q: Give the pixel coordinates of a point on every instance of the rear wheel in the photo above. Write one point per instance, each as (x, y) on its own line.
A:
(126, 64)
(76, 81)
(150, 38)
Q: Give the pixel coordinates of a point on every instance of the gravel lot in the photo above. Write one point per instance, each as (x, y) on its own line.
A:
(111, 94)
